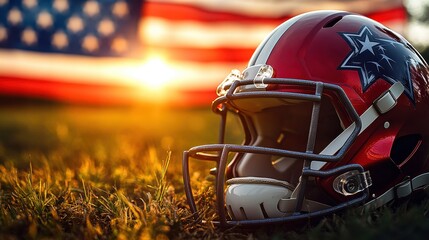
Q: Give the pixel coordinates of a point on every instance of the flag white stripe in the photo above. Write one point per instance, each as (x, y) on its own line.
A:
(163, 32)
(127, 72)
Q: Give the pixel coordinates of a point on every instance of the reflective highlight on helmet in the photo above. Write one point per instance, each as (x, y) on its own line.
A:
(265, 71)
(234, 75)
(258, 73)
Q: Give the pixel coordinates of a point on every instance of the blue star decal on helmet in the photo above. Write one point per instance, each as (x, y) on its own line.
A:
(375, 57)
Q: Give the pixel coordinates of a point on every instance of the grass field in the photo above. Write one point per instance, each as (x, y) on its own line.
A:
(71, 172)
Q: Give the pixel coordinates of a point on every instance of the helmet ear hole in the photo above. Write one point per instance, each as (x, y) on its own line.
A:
(332, 22)
(404, 148)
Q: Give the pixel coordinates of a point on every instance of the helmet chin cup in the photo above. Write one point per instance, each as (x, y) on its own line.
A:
(251, 198)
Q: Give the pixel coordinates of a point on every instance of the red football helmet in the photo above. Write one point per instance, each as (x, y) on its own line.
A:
(335, 110)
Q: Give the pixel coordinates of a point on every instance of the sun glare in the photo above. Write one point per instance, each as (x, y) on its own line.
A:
(155, 73)
(151, 76)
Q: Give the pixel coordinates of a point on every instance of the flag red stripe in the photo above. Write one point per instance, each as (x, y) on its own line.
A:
(182, 12)
(57, 89)
(94, 94)
(224, 55)
(399, 13)
(195, 97)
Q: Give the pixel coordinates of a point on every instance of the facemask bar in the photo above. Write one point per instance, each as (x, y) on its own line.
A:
(219, 152)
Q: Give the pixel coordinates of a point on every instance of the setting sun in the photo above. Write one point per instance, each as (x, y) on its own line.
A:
(155, 73)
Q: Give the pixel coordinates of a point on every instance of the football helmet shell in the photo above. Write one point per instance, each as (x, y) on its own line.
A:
(334, 110)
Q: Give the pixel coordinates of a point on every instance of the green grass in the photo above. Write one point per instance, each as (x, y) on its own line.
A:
(72, 172)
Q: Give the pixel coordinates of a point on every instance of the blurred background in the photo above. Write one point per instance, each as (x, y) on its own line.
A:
(98, 98)
(122, 52)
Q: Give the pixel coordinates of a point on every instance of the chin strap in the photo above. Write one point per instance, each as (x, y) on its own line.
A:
(400, 190)
(381, 105)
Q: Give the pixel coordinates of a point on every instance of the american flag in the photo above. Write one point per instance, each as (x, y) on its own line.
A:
(121, 51)
(96, 28)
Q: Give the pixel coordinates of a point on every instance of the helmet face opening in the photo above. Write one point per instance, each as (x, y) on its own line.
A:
(333, 107)
(282, 124)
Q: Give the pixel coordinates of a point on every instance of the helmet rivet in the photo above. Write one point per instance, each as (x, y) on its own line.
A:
(386, 125)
